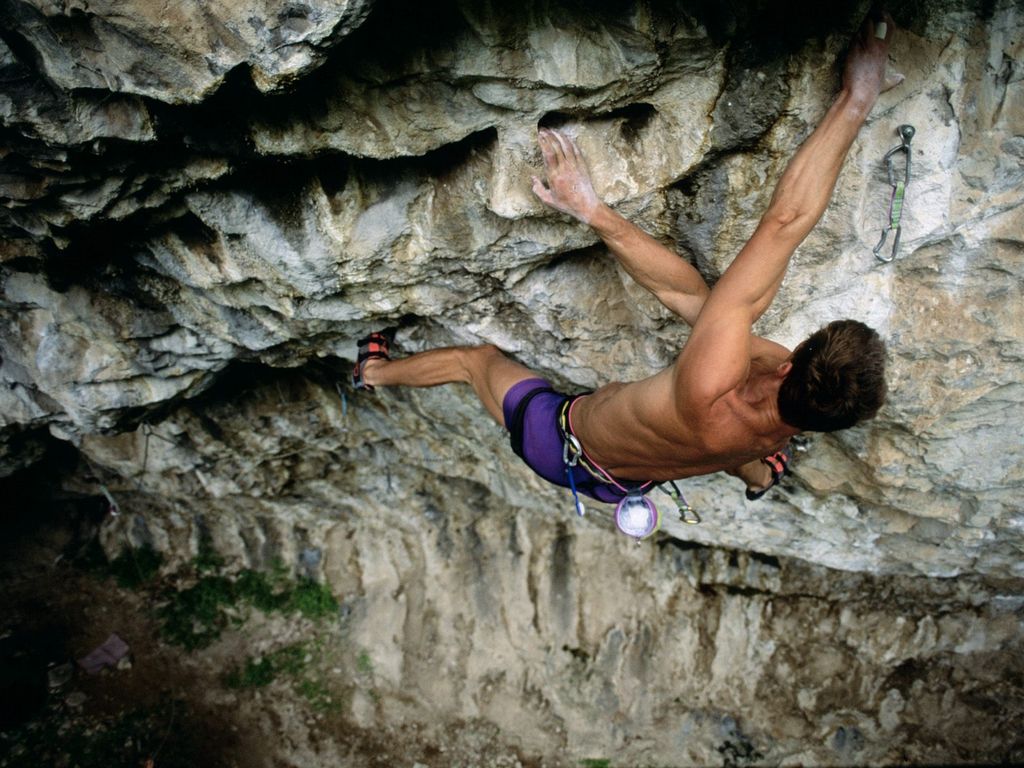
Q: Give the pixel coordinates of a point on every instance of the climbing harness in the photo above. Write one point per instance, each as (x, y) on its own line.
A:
(899, 186)
(635, 515)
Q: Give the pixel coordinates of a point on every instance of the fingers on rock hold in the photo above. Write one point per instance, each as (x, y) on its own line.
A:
(541, 191)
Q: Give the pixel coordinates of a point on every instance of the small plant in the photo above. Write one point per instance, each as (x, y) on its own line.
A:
(312, 600)
(364, 664)
(290, 662)
(260, 590)
(194, 617)
(291, 659)
(254, 674)
(318, 695)
(257, 673)
(592, 762)
(739, 753)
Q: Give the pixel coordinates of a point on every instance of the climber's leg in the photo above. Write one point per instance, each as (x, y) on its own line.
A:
(485, 368)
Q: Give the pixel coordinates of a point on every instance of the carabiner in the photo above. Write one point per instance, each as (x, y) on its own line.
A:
(899, 186)
(687, 514)
(577, 449)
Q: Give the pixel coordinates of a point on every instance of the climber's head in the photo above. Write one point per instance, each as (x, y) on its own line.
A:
(837, 378)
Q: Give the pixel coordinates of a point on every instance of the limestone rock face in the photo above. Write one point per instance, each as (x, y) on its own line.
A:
(151, 245)
(178, 53)
(206, 204)
(478, 597)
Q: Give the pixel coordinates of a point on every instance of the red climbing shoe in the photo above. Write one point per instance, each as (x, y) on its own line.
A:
(778, 463)
(376, 346)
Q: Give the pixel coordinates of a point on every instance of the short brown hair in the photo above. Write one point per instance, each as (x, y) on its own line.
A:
(837, 380)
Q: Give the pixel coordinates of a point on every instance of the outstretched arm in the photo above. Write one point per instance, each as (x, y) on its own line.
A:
(670, 278)
(719, 347)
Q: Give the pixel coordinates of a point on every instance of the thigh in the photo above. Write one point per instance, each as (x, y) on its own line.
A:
(492, 375)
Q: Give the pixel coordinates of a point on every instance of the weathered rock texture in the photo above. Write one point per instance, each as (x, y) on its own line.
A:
(475, 603)
(192, 202)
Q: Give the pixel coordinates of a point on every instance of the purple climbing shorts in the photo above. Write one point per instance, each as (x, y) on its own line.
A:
(531, 416)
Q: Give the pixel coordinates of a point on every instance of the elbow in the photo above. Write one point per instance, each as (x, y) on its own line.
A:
(789, 224)
(782, 217)
(683, 304)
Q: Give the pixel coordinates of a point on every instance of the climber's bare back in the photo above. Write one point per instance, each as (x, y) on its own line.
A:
(654, 429)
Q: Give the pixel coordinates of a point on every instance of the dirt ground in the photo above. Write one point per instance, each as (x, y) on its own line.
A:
(164, 706)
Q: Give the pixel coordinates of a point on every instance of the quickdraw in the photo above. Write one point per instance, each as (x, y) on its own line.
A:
(899, 186)
(687, 514)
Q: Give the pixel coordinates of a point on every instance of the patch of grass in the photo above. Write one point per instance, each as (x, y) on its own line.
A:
(591, 762)
(364, 664)
(318, 695)
(194, 617)
(135, 567)
(260, 590)
(275, 592)
(289, 662)
(291, 659)
(256, 673)
(292, 662)
(312, 600)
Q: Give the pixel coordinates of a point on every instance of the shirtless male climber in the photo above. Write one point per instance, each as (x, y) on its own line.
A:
(731, 401)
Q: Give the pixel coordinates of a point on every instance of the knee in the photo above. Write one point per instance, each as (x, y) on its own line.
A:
(489, 351)
(476, 360)
(480, 351)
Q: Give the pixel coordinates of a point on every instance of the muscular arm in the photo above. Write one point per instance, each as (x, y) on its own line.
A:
(719, 347)
(673, 281)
